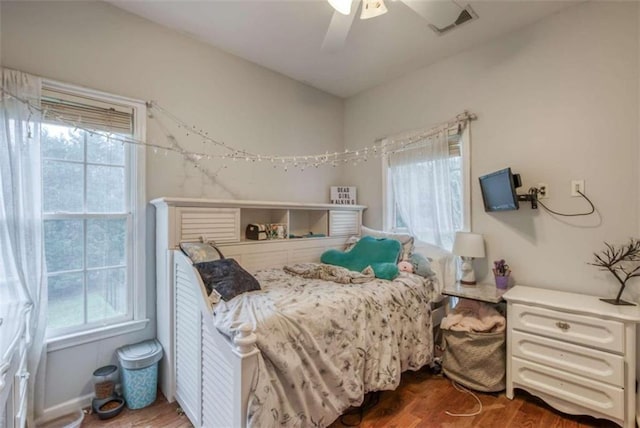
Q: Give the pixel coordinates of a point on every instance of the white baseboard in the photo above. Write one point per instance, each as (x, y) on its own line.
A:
(65, 408)
(68, 407)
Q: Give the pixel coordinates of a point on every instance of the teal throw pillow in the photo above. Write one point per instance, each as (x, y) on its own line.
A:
(381, 254)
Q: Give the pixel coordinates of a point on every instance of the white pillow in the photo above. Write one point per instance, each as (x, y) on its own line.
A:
(405, 240)
(443, 263)
(351, 242)
(199, 252)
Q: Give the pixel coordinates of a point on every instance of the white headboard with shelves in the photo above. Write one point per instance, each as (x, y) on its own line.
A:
(224, 222)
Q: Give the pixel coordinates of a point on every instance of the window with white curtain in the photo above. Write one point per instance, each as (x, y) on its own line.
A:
(426, 190)
(93, 209)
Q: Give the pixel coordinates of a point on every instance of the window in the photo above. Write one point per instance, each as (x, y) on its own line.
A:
(426, 192)
(93, 203)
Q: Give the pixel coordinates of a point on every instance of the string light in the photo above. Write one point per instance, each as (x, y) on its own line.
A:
(379, 148)
(386, 147)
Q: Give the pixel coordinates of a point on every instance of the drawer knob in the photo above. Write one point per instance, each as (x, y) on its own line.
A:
(563, 325)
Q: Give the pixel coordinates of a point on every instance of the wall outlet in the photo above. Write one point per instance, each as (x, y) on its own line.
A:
(577, 186)
(543, 190)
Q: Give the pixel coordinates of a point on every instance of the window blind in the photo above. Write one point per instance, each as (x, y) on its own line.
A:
(65, 108)
(455, 134)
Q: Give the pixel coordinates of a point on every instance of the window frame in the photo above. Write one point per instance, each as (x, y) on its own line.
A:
(135, 186)
(388, 206)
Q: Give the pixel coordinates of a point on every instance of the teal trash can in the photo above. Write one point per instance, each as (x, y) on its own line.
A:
(139, 364)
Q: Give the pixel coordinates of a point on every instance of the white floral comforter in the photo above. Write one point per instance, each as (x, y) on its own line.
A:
(324, 345)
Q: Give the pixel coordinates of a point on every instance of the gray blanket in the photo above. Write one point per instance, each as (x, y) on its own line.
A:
(330, 273)
(324, 345)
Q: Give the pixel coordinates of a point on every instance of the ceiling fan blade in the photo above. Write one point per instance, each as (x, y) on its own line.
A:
(438, 13)
(338, 30)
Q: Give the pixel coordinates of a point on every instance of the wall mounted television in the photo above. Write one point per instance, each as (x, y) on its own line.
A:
(499, 190)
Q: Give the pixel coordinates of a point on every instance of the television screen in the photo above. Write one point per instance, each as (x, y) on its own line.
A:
(499, 191)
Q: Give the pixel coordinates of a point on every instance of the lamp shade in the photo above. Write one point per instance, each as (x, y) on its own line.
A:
(342, 6)
(468, 244)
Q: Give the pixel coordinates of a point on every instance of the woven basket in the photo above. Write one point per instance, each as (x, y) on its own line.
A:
(475, 360)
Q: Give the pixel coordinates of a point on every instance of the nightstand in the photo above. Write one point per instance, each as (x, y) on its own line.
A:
(574, 351)
(475, 359)
(483, 292)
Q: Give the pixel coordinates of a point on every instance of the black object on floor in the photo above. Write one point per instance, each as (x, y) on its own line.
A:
(356, 413)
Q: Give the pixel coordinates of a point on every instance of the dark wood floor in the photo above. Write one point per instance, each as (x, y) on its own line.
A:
(420, 401)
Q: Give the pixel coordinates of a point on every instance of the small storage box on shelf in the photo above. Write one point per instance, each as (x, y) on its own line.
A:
(575, 352)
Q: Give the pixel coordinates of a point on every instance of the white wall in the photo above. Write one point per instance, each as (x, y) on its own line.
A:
(99, 46)
(556, 101)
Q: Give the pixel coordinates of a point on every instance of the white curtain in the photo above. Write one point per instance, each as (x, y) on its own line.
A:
(425, 188)
(21, 227)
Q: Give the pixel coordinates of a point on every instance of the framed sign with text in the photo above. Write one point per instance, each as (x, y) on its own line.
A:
(341, 195)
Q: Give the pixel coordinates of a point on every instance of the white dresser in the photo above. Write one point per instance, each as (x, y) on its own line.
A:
(575, 352)
(14, 343)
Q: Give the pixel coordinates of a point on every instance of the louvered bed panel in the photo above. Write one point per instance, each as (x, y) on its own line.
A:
(343, 223)
(217, 387)
(188, 344)
(217, 224)
(213, 374)
(228, 372)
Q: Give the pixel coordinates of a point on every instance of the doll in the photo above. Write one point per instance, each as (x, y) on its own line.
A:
(405, 266)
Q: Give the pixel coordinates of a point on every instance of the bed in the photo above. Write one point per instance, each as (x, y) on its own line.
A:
(304, 349)
(278, 356)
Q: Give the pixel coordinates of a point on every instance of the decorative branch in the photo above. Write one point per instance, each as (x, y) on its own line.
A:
(617, 260)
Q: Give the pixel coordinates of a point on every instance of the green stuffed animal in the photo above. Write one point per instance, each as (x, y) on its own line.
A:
(381, 254)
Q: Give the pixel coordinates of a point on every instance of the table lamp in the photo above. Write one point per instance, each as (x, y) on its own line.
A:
(468, 246)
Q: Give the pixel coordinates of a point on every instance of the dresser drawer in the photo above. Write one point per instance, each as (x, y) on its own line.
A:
(597, 365)
(7, 371)
(604, 334)
(577, 390)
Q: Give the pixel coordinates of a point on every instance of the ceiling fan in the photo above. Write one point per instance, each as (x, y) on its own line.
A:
(441, 16)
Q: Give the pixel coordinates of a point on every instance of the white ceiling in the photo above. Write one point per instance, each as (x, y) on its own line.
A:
(286, 36)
